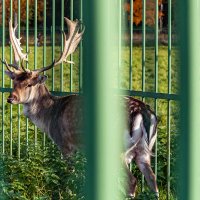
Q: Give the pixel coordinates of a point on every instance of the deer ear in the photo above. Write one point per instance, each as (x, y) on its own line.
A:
(10, 74)
(42, 78)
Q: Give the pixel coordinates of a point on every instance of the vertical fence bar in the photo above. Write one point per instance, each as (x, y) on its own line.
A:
(81, 52)
(156, 74)
(99, 68)
(44, 49)
(19, 110)
(3, 56)
(11, 109)
(53, 40)
(62, 40)
(187, 27)
(35, 34)
(131, 53)
(143, 43)
(143, 55)
(71, 56)
(120, 43)
(27, 49)
(169, 103)
(193, 40)
(131, 45)
(35, 54)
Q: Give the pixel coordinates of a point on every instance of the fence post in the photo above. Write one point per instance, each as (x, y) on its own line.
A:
(102, 110)
(194, 95)
(190, 82)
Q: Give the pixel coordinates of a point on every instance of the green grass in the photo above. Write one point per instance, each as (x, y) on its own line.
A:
(41, 173)
(150, 69)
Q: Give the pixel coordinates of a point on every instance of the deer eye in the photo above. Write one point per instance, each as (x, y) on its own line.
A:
(29, 85)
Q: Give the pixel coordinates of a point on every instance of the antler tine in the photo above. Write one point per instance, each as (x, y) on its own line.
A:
(45, 68)
(10, 65)
(23, 68)
(6, 64)
(18, 54)
(71, 41)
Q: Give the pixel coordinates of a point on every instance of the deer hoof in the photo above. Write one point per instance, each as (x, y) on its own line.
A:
(157, 195)
(130, 196)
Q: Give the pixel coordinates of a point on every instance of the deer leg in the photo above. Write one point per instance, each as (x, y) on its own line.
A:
(136, 134)
(143, 163)
(132, 184)
(132, 181)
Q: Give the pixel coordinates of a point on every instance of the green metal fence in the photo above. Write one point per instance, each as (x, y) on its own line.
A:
(140, 74)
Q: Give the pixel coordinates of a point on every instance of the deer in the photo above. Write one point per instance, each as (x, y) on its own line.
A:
(61, 118)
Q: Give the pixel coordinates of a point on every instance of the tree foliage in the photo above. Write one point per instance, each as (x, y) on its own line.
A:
(40, 7)
(137, 11)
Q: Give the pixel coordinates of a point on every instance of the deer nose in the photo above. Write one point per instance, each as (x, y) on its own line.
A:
(11, 98)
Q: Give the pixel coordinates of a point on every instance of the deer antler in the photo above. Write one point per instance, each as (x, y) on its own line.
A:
(71, 41)
(18, 54)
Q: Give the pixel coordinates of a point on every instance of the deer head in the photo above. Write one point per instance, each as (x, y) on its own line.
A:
(26, 82)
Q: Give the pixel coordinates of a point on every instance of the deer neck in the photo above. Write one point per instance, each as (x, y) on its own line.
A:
(39, 107)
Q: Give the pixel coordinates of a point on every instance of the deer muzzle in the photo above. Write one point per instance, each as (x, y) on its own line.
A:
(12, 98)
